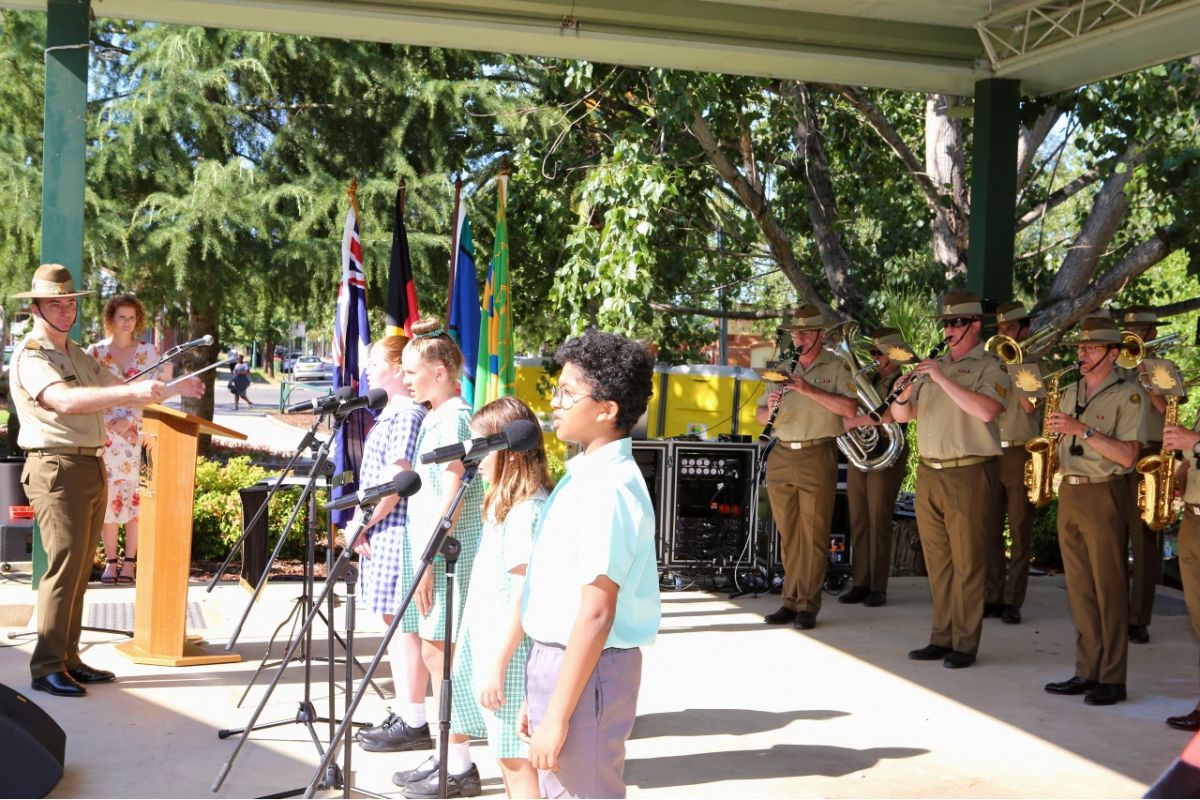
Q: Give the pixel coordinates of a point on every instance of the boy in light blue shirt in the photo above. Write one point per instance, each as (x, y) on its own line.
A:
(591, 594)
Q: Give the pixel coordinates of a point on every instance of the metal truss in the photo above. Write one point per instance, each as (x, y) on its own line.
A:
(1028, 29)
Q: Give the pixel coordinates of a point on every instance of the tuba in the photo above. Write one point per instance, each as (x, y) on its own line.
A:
(868, 448)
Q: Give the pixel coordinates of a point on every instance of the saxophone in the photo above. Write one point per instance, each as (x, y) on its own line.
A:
(1158, 473)
(1043, 451)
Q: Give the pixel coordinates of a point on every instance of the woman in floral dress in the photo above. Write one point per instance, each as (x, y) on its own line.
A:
(123, 354)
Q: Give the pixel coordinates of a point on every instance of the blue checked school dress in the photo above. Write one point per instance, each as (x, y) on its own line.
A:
(393, 438)
(448, 424)
(494, 593)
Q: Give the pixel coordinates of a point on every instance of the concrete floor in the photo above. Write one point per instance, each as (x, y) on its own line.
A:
(729, 707)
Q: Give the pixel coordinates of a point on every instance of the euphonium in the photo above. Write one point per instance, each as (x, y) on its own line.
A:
(1158, 474)
(861, 446)
(1043, 450)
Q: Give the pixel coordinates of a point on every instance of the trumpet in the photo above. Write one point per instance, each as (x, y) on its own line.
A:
(1134, 350)
(1010, 351)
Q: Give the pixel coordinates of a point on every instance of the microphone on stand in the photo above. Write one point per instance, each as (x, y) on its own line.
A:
(322, 404)
(406, 484)
(203, 341)
(341, 403)
(518, 435)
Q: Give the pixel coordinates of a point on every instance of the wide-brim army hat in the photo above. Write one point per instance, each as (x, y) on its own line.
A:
(1011, 312)
(890, 342)
(50, 281)
(1096, 330)
(958, 305)
(808, 318)
(1141, 316)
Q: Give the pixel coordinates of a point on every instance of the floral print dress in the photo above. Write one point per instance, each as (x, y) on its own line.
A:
(122, 454)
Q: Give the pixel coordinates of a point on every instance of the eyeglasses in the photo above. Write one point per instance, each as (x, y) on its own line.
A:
(566, 399)
(957, 322)
(876, 353)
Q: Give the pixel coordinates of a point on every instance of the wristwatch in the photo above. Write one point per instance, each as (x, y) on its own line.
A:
(1088, 432)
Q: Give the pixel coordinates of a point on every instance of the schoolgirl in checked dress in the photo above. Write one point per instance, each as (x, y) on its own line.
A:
(389, 449)
(432, 363)
(489, 663)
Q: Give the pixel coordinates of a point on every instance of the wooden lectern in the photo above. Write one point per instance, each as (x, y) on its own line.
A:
(168, 487)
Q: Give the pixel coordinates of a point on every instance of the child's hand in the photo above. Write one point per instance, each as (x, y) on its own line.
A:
(491, 689)
(545, 745)
(523, 723)
(424, 595)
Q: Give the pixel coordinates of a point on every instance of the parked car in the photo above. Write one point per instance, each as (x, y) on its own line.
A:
(311, 368)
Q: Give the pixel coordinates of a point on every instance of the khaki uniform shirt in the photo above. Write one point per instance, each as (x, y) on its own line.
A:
(1154, 417)
(801, 419)
(944, 430)
(1191, 490)
(1117, 409)
(1014, 424)
(37, 363)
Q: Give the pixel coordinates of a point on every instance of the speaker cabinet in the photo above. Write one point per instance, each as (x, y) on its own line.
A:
(713, 488)
(654, 459)
(31, 747)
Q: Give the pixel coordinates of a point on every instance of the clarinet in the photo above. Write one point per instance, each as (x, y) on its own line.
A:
(877, 413)
(768, 433)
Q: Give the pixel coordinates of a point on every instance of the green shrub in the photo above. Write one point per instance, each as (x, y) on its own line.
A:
(217, 512)
(1044, 553)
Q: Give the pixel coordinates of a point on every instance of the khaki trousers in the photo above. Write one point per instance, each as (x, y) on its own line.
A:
(871, 498)
(1008, 576)
(954, 509)
(1146, 566)
(1091, 536)
(69, 495)
(1189, 565)
(802, 486)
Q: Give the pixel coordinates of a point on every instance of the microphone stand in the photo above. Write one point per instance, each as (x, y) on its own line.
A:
(441, 542)
(167, 356)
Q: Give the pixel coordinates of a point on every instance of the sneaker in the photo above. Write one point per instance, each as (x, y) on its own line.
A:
(373, 730)
(397, 737)
(465, 784)
(426, 768)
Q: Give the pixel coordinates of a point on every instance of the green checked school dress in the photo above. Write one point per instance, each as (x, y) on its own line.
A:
(494, 594)
(447, 424)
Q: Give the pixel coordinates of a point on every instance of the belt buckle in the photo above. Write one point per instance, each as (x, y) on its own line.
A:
(936, 465)
(1074, 480)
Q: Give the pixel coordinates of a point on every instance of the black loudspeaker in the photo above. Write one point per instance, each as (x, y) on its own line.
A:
(31, 747)
(712, 486)
(653, 459)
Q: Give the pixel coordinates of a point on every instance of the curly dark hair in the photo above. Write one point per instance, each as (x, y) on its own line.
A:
(616, 369)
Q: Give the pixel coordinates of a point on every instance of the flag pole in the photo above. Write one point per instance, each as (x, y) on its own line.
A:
(400, 193)
(453, 245)
(353, 193)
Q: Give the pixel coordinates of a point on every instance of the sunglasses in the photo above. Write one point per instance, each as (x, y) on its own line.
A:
(875, 353)
(957, 322)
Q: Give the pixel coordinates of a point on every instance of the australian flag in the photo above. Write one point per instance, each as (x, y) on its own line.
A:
(351, 341)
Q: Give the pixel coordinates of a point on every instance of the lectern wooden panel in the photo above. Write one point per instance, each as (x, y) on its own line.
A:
(168, 487)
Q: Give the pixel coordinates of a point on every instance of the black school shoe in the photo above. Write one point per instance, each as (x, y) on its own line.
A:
(396, 737)
(465, 784)
(422, 771)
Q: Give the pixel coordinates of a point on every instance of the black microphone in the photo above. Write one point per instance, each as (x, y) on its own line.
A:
(518, 435)
(375, 399)
(322, 404)
(406, 484)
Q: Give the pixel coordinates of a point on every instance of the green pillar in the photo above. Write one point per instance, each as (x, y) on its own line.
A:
(64, 131)
(994, 188)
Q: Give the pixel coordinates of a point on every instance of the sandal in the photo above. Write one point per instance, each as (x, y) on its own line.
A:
(105, 577)
(123, 578)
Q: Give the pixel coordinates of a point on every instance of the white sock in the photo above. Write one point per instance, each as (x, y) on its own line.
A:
(458, 759)
(413, 714)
